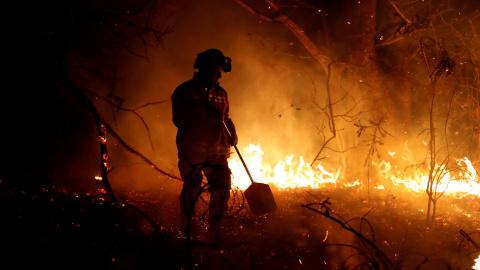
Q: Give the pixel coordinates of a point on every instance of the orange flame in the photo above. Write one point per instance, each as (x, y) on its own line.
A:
(294, 172)
(459, 185)
(287, 173)
(477, 264)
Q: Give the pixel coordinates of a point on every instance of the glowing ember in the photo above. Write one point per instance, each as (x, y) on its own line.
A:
(294, 172)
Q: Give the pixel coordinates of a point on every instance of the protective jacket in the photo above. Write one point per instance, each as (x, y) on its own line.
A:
(198, 109)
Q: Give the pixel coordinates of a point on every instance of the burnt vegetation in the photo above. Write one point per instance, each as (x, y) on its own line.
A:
(411, 61)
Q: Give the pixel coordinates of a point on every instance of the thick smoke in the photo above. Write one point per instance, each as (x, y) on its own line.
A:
(271, 87)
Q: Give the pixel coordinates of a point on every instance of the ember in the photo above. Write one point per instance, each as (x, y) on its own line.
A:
(477, 264)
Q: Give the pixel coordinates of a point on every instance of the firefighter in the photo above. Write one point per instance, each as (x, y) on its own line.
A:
(205, 135)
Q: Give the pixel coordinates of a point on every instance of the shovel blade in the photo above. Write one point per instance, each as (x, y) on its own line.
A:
(260, 199)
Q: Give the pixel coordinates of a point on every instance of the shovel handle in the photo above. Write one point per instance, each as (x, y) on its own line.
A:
(238, 153)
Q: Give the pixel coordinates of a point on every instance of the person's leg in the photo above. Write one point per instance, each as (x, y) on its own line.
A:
(191, 175)
(219, 180)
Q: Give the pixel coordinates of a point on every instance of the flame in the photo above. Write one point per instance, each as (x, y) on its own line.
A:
(287, 173)
(477, 264)
(292, 172)
(464, 182)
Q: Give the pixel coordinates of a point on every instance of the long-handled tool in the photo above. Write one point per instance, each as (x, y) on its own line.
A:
(259, 196)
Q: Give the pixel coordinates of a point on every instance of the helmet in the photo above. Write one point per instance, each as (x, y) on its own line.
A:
(213, 58)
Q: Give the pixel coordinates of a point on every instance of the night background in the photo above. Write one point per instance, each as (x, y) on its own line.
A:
(362, 116)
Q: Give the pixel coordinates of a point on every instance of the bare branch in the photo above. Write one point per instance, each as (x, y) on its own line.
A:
(399, 12)
(325, 211)
(134, 111)
(297, 31)
(138, 154)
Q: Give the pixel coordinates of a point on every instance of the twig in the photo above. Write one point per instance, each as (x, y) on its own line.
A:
(330, 110)
(469, 239)
(134, 111)
(138, 154)
(399, 12)
(387, 263)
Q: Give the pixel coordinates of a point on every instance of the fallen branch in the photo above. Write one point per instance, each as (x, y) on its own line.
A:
(469, 239)
(80, 96)
(325, 211)
(134, 111)
(138, 154)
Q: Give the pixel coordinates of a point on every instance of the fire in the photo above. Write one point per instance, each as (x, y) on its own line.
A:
(477, 264)
(294, 172)
(287, 173)
(464, 182)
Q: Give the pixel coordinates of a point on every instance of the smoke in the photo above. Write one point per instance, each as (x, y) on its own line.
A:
(277, 92)
(270, 88)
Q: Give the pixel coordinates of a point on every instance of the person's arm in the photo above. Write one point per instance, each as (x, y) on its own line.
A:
(183, 107)
(233, 140)
(190, 109)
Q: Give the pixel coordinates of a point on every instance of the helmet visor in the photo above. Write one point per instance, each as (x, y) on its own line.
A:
(226, 64)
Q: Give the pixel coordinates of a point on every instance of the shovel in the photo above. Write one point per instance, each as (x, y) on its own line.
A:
(259, 196)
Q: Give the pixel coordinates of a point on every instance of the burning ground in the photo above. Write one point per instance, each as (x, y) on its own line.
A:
(55, 230)
(322, 222)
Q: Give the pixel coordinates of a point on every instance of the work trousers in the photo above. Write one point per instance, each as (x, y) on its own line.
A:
(193, 166)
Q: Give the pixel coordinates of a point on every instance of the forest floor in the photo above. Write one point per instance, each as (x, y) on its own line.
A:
(46, 228)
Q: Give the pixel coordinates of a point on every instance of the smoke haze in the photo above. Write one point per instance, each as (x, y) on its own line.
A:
(270, 87)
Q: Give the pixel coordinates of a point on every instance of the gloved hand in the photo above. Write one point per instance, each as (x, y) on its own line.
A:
(233, 139)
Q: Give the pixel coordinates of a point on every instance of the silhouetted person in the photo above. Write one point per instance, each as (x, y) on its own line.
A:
(200, 112)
